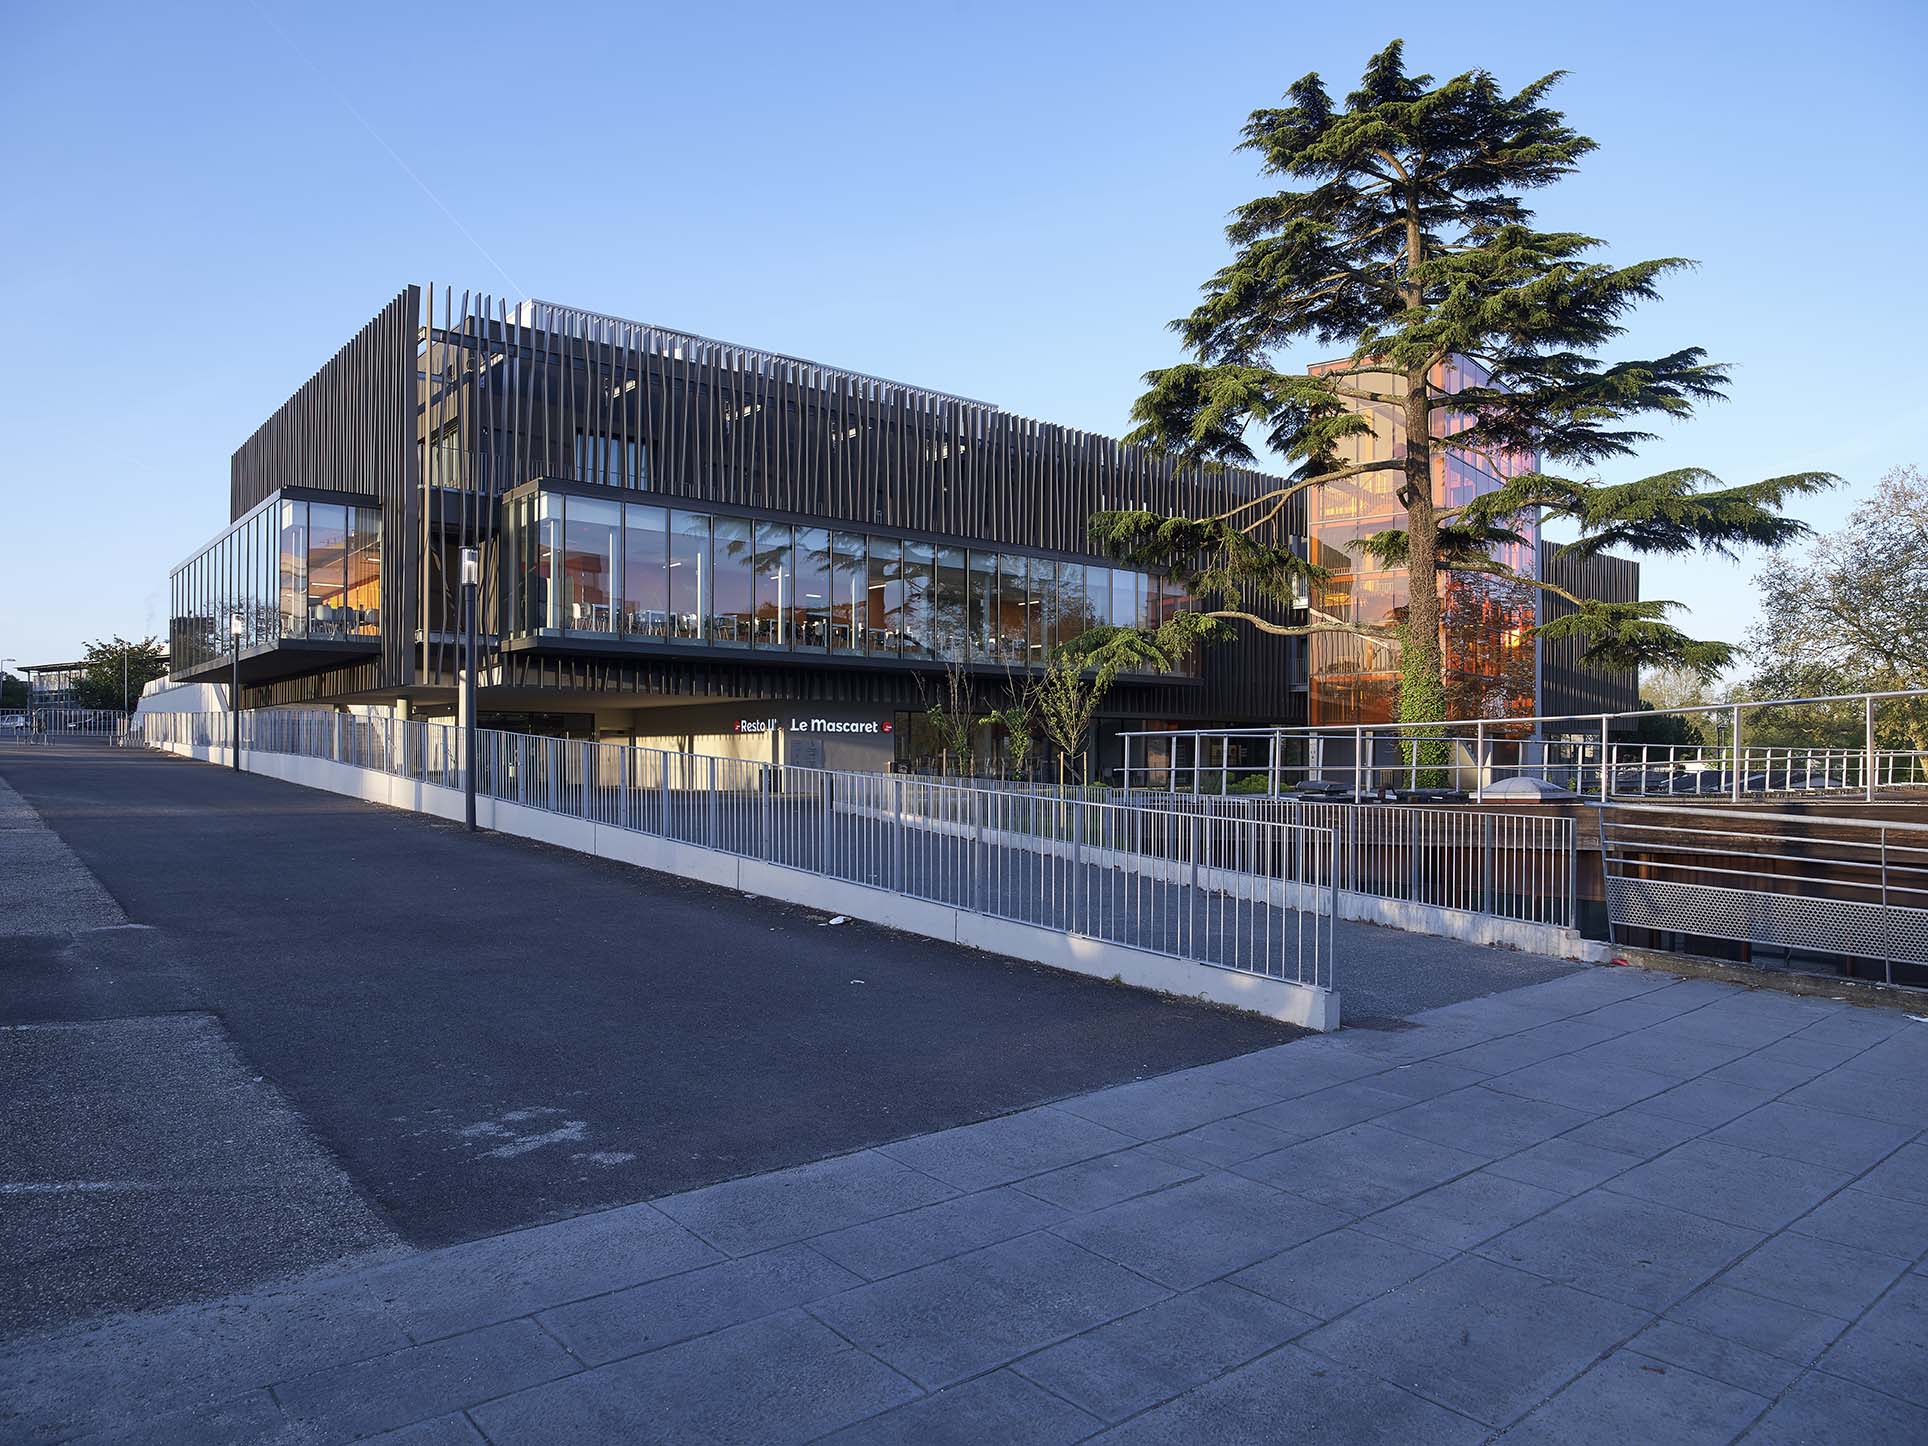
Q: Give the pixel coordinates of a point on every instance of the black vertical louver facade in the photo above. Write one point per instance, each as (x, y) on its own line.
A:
(448, 400)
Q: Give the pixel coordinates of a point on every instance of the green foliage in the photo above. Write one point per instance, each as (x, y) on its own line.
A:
(1401, 232)
(1623, 636)
(100, 686)
(14, 692)
(1665, 728)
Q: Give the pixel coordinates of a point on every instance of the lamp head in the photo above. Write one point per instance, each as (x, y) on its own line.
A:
(471, 567)
(237, 626)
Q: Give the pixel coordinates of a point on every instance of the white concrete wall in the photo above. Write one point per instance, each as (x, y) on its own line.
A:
(1285, 1000)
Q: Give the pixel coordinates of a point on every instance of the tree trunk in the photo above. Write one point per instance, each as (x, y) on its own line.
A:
(1422, 692)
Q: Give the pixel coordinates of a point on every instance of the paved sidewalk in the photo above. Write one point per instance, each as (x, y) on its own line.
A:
(1612, 1207)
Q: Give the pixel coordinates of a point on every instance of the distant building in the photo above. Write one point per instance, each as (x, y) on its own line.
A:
(53, 685)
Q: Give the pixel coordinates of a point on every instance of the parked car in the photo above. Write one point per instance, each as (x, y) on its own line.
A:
(17, 722)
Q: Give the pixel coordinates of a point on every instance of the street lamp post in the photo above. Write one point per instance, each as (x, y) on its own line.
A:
(236, 626)
(471, 580)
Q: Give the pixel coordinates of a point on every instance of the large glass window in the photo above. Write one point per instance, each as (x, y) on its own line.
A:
(645, 572)
(327, 569)
(884, 609)
(775, 584)
(812, 607)
(1126, 589)
(591, 557)
(953, 584)
(1042, 604)
(847, 593)
(1008, 643)
(595, 566)
(689, 574)
(920, 600)
(732, 592)
(980, 613)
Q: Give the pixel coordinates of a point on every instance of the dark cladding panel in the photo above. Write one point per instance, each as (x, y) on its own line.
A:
(351, 428)
(1565, 686)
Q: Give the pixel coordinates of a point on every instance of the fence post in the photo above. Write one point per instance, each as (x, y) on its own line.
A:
(1077, 865)
(1867, 763)
(898, 862)
(714, 834)
(1606, 759)
(1740, 763)
(980, 871)
(1479, 758)
(826, 806)
(1191, 901)
(1358, 760)
(1486, 870)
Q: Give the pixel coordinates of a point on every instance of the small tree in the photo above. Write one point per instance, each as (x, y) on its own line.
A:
(102, 682)
(1081, 672)
(1018, 718)
(953, 716)
(1407, 239)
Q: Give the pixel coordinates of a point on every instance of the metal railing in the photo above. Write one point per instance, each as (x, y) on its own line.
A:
(1854, 889)
(1574, 754)
(60, 724)
(1243, 893)
(1507, 865)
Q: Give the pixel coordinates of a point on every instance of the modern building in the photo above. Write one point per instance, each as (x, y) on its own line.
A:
(695, 544)
(684, 542)
(53, 685)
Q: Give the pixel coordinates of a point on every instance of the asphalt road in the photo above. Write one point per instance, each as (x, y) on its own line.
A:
(484, 1032)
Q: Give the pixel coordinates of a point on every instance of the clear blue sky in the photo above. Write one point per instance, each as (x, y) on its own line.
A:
(1007, 202)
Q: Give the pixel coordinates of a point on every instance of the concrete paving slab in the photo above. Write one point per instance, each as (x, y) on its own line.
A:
(1461, 1213)
(1762, 1192)
(901, 1242)
(1623, 1249)
(1329, 1275)
(1153, 1109)
(979, 1311)
(742, 1217)
(605, 1328)
(1139, 1360)
(1002, 1407)
(410, 1385)
(485, 1281)
(1630, 1397)
(1484, 1121)
(1225, 1142)
(1201, 1230)
(1564, 1164)
(1861, 1217)
(1478, 1337)
(1820, 1407)
(1094, 1184)
(1673, 1343)
(1361, 1169)
(1887, 1349)
(1326, 1110)
(996, 1152)
(1823, 1275)
(786, 1378)
(1816, 1137)
(1772, 1327)
(1902, 1176)
(1296, 1396)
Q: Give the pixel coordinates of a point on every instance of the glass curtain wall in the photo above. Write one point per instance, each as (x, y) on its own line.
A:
(290, 569)
(600, 567)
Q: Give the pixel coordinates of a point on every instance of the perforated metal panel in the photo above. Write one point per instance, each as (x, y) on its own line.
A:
(1828, 926)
